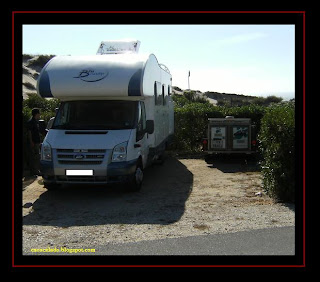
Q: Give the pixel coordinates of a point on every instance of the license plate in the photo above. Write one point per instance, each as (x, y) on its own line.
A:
(83, 172)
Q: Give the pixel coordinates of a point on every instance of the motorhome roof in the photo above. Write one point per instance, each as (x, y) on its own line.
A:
(97, 76)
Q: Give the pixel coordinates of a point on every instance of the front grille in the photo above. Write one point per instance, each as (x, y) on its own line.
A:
(81, 156)
(65, 156)
(65, 150)
(71, 156)
(80, 162)
(81, 150)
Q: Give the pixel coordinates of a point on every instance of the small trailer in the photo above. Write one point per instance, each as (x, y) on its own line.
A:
(115, 118)
(230, 135)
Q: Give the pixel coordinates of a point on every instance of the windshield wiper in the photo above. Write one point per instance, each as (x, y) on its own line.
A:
(66, 126)
(61, 126)
(90, 127)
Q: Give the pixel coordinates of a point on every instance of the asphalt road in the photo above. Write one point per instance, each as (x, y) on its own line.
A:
(270, 241)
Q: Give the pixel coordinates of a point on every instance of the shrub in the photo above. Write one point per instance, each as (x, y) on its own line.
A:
(47, 106)
(255, 112)
(273, 99)
(180, 100)
(40, 61)
(188, 97)
(26, 57)
(277, 138)
(47, 109)
(191, 123)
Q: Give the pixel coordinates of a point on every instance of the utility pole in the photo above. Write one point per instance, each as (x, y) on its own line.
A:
(189, 80)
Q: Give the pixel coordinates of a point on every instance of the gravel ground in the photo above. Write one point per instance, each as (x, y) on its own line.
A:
(182, 197)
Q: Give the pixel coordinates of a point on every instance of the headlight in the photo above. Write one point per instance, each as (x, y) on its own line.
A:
(119, 153)
(46, 152)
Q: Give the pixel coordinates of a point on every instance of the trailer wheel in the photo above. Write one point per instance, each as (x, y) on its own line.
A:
(136, 182)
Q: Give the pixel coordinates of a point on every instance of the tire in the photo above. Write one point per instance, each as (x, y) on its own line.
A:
(161, 159)
(135, 184)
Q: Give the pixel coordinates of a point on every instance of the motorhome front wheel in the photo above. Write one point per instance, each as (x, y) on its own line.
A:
(137, 180)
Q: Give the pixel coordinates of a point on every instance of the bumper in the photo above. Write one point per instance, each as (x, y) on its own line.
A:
(229, 152)
(114, 173)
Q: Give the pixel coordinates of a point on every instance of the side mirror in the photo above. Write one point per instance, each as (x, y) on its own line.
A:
(150, 126)
(42, 127)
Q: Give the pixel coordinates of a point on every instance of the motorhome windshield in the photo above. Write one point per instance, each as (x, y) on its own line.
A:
(96, 115)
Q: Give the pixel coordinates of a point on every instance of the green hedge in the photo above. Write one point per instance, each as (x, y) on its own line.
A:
(191, 122)
(277, 145)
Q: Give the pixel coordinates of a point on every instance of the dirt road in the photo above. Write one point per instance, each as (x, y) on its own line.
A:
(180, 198)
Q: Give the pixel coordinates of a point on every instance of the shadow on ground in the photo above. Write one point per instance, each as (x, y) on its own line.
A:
(234, 163)
(162, 200)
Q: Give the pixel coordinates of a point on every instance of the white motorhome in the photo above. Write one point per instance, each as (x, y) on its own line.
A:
(115, 118)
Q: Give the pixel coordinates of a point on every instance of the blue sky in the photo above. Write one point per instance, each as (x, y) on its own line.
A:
(243, 59)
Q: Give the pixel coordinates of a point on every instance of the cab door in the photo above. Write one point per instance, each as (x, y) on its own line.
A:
(141, 144)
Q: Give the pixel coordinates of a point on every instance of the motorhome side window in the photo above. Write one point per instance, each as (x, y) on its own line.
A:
(158, 93)
(155, 93)
(142, 125)
(163, 95)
